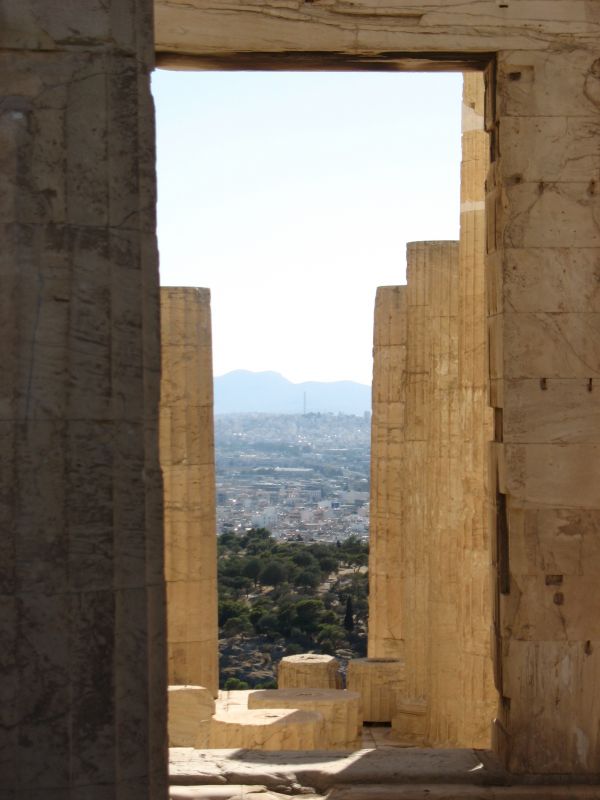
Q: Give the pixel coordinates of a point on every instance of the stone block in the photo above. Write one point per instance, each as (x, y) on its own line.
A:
(77, 175)
(534, 84)
(550, 279)
(550, 215)
(409, 723)
(190, 711)
(553, 474)
(388, 383)
(554, 541)
(309, 671)
(559, 736)
(561, 148)
(551, 608)
(379, 682)
(551, 345)
(341, 711)
(267, 729)
(552, 411)
(37, 25)
(390, 308)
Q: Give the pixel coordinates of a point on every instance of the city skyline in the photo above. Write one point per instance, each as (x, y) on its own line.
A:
(292, 196)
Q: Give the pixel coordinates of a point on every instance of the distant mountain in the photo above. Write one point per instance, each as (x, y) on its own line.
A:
(269, 392)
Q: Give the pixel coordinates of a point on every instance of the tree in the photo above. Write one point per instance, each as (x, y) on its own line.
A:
(236, 626)
(252, 568)
(308, 615)
(231, 608)
(235, 683)
(268, 624)
(330, 637)
(258, 540)
(308, 579)
(304, 558)
(327, 564)
(272, 574)
(349, 615)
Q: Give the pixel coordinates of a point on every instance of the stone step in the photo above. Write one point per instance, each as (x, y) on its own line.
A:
(433, 791)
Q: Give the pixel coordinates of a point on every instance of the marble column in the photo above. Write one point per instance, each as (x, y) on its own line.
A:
(82, 631)
(415, 478)
(442, 485)
(387, 474)
(478, 697)
(187, 455)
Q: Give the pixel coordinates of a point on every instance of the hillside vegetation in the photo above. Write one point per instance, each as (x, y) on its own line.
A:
(281, 598)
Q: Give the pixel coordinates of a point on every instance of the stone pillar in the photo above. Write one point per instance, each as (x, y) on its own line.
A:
(83, 706)
(478, 698)
(543, 252)
(414, 481)
(188, 464)
(387, 474)
(428, 503)
(443, 502)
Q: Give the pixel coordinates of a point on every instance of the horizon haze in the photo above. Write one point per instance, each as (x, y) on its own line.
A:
(268, 392)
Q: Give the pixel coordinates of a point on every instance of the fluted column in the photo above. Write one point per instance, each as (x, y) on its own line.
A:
(188, 462)
(387, 474)
(443, 501)
(82, 630)
(478, 695)
(415, 478)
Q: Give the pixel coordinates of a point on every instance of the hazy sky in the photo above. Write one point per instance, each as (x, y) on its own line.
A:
(292, 196)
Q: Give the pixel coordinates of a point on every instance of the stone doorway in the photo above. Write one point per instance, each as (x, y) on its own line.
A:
(458, 325)
(83, 617)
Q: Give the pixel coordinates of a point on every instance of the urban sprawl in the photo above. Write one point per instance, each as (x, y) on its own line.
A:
(302, 476)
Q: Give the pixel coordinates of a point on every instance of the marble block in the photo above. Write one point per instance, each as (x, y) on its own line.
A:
(409, 723)
(190, 712)
(268, 729)
(341, 711)
(309, 671)
(379, 682)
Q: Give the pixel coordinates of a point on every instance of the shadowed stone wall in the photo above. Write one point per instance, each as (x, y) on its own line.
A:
(82, 631)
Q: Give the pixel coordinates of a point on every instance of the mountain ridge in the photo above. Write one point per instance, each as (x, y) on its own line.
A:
(243, 391)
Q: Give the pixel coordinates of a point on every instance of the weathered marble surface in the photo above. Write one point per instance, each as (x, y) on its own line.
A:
(82, 629)
(268, 729)
(366, 28)
(477, 701)
(388, 433)
(379, 682)
(309, 671)
(322, 771)
(187, 458)
(190, 712)
(341, 710)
